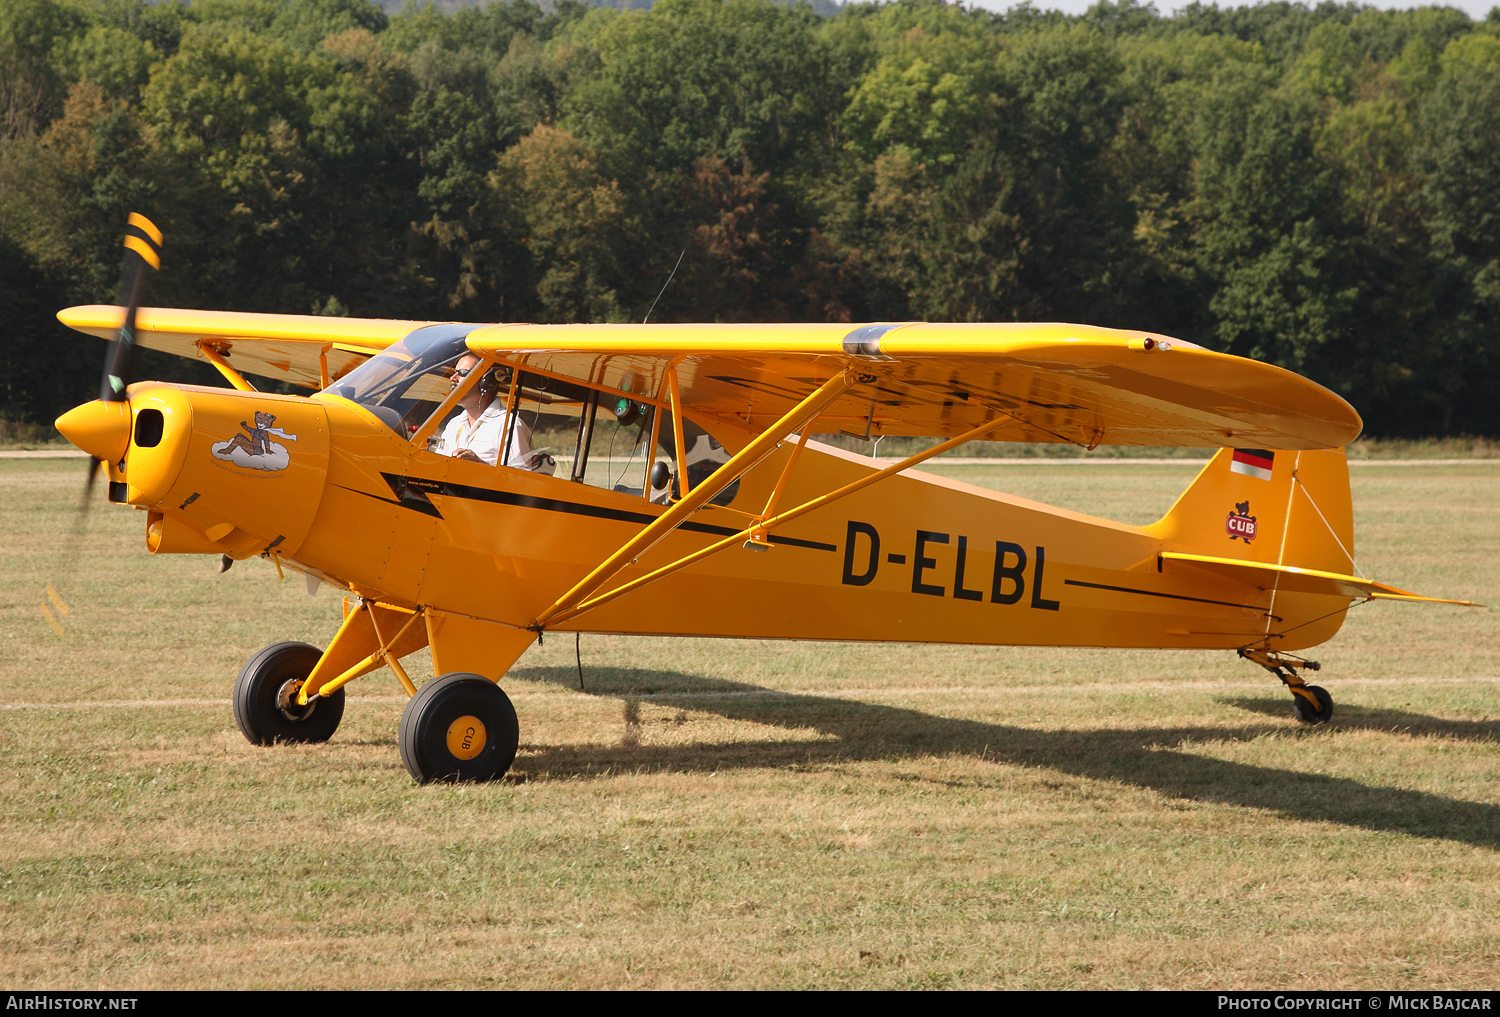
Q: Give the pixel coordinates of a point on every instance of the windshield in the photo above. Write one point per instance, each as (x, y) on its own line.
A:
(404, 384)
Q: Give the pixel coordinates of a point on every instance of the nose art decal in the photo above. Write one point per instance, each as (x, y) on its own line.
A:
(254, 450)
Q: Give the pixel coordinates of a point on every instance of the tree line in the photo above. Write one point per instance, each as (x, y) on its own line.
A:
(1311, 186)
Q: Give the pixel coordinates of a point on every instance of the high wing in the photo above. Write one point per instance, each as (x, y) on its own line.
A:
(1298, 580)
(1051, 382)
(287, 347)
(1054, 382)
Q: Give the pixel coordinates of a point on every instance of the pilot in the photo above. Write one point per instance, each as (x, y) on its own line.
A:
(475, 433)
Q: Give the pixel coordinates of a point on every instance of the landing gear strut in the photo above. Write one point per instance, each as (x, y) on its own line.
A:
(1311, 703)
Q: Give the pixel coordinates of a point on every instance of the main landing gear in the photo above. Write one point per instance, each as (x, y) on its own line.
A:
(1311, 703)
(265, 698)
(458, 727)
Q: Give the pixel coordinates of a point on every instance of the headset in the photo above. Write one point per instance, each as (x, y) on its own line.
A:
(490, 382)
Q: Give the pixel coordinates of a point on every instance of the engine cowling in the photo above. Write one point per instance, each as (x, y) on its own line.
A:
(236, 473)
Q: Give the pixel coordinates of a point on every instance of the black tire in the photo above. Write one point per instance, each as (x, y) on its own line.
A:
(437, 709)
(267, 681)
(1304, 711)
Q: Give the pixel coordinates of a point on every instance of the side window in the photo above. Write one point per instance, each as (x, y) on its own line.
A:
(584, 435)
(581, 434)
(613, 444)
(547, 418)
(703, 456)
(576, 433)
(477, 427)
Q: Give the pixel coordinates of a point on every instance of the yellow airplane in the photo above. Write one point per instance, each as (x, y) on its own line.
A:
(685, 495)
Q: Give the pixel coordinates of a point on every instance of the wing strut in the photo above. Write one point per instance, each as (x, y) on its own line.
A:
(764, 444)
(758, 539)
(682, 473)
(234, 377)
(760, 527)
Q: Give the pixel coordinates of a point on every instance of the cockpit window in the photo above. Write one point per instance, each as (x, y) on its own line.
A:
(404, 384)
(571, 430)
(603, 439)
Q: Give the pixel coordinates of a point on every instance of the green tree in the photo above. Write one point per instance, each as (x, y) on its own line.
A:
(1269, 230)
(998, 198)
(1460, 170)
(1308, 184)
(306, 23)
(116, 60)
(64, 198)
(739, 78)
(287, 156)
(575, 223)
(31, 87)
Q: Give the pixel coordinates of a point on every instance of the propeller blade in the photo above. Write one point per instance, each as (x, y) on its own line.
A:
(88, 485)
(54, 608)
(143, 243)
(62, 610)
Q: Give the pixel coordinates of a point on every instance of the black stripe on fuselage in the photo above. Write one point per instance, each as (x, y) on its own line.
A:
(1169, 596)
(412, 493)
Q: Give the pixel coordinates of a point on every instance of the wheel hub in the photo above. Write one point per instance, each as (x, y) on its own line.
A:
(286, 702)
(466, 737)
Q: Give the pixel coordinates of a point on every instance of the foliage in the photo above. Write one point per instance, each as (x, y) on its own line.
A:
(1310, 185)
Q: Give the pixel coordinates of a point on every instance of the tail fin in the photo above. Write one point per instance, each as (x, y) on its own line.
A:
(1283, 508)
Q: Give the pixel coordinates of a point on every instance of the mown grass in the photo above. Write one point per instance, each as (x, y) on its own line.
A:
(709, 813)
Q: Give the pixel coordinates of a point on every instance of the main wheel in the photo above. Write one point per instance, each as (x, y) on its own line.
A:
(265, 698)
(458, 727)
(1304, 710)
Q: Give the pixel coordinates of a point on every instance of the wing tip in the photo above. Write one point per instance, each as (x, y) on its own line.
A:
(89, 318)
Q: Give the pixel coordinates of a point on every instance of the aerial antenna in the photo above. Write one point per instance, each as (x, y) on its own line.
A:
(664, 286)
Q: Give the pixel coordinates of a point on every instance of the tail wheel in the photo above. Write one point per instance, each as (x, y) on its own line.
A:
(1304, 710)
(265, 698)
(459, 727)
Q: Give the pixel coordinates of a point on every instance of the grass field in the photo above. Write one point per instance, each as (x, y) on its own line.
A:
(744, 814)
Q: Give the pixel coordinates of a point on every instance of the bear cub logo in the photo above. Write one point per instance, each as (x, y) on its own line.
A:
(1241, 524)
(254, 450)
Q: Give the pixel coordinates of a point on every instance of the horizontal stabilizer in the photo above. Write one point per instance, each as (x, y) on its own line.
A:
(1291, 579)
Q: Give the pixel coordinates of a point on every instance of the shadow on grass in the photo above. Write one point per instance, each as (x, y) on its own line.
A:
(1141, 757)
(1364, 718)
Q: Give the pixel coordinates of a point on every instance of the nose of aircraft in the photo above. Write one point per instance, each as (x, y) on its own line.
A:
(99, 428)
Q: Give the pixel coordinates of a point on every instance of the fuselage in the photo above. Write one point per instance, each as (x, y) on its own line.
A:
(332, 491)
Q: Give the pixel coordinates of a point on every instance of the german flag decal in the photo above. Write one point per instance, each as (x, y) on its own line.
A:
(1253, 462)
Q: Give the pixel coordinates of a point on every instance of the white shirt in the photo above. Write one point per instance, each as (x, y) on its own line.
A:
(483, 436)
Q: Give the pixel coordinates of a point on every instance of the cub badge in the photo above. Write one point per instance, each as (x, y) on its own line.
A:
(1241, 524)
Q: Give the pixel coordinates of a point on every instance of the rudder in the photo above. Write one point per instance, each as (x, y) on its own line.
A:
(1286, 508)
